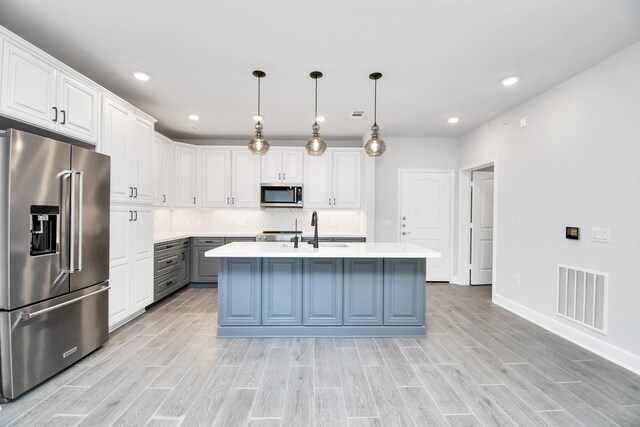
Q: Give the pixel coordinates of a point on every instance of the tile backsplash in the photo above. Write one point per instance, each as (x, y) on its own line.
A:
(256, 220)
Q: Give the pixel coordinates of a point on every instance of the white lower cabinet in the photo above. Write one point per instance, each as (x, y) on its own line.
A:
(130, 262)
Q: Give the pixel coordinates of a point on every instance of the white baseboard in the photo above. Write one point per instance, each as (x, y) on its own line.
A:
(454, 280)
(603, 349)
(126, 320)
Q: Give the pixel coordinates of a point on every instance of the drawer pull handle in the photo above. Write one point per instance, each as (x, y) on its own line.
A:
(170, 283)
(170, 261)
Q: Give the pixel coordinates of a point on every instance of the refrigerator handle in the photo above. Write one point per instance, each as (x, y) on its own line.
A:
(72, 222)
(69, 221)
(80, 215)
(26, 315)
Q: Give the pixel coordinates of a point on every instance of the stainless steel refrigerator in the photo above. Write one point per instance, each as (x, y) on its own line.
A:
(54, 257)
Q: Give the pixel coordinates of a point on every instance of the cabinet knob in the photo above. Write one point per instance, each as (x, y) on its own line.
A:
(404, 217)
(404, 225)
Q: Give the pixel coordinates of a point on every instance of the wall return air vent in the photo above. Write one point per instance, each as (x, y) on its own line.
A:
(357, 114)
(582, 297)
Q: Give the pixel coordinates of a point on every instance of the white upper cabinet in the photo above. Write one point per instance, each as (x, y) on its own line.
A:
(317, 190)
(245, 186)
(333, 180)
(283, 166)
(127, 138)
(142, 138)
(347, 179)
(48, 95)
(28, 86)
(185, 176)
(215, 177)
(162, 171)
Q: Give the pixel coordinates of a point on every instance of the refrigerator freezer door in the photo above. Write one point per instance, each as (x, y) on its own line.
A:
(91, 218)
(40, 340)
(35, 184)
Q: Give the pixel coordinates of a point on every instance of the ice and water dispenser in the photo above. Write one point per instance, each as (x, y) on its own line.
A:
(44, 230)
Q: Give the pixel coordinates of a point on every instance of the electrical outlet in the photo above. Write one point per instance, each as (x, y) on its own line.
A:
(516, 280)
(601, 235)
(524, 121)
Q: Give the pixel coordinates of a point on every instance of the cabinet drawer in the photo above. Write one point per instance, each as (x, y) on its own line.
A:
(166, 264)
(166, 284)
(208, 241)
(239, 239)
(350, 239)
(174, 244)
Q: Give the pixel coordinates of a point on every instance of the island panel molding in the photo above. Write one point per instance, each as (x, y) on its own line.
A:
(318, 293)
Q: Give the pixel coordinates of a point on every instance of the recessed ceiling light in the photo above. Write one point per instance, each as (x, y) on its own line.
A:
(509, 80)
(453, 120)
(141, 75)
(257, 118)
(320, 119)
(193, 117)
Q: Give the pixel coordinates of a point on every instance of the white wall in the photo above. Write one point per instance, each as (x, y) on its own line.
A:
(406, 153)
(577, 163)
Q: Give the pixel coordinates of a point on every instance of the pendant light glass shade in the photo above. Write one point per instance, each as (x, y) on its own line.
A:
(316, 146)
(258, 144)
(375, 146)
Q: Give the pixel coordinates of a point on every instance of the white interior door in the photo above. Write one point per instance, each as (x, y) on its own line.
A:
(482, 228)
(425, 217)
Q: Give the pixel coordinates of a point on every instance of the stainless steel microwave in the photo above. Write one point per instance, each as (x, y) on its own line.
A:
(280, 195)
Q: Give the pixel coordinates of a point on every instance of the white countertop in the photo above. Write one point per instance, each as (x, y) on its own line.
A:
(175, 235)
(326, 250)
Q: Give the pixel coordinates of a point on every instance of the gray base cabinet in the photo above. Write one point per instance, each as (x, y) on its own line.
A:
(171, 267)
(239, 301)
(363, 291)
(322, 291)
(205, 270)
(404, 291)
(282, 291)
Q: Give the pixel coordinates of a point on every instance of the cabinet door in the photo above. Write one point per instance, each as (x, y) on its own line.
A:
(185, 179)
(215, 173)
(115, 143)
(271, 164)
(166, 171)
(141, 140)
(317, 182)
(204, 270)
(363, 291)
(119, 267)
(157, 172)
(245, 181)
(404, 291)
(239, 292)
(322, 291)
(282, 291)
(79, 104)
(347, 179)
(28, 86)
(292, 166)
(141, 242)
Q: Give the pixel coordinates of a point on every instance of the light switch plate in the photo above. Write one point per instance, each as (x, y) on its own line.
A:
(524, 121)
(601, 235)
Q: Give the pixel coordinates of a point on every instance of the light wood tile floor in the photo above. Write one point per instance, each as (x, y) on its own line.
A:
(480, 365)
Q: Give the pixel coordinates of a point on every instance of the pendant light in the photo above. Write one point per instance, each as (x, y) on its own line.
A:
(316, 146)
(375, 146)
(258, 144)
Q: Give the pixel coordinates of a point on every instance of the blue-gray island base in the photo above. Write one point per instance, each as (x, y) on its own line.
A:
(321, 297)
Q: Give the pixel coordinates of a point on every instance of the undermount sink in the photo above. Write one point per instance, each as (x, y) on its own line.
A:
(322, 245)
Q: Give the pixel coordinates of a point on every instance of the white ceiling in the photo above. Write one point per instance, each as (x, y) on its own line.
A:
(439, 58)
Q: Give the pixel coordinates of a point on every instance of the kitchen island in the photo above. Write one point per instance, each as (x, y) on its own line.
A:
(271, 289)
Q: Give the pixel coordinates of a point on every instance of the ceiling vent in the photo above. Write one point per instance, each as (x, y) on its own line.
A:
(188, 127)
(357, 114)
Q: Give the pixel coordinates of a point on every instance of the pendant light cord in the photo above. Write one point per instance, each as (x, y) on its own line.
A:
(316, 116)
(259, 118)
(375, 102)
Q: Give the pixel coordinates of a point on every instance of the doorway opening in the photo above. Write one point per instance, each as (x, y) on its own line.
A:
(478, 224)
